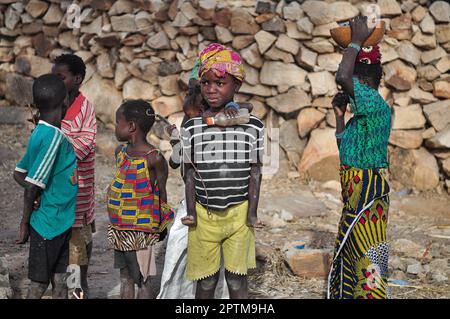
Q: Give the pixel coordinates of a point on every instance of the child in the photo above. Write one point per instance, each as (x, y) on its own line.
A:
(223, 181)
(137, 199)
(48, 169)
(80, 126)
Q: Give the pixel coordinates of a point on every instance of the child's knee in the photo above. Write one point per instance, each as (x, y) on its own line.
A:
(209, 282)
(234, 281)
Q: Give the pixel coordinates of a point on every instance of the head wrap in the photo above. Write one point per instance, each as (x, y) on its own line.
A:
(221, 60)
(369, 55)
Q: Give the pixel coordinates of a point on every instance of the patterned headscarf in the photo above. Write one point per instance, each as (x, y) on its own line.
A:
(221, 60)
(369, 55)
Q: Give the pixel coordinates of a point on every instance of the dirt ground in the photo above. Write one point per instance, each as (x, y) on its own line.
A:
(421, 219)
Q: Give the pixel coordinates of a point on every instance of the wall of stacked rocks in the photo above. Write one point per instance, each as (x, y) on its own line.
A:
(146, 49)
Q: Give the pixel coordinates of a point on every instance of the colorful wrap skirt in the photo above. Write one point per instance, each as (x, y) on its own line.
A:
(360, 265)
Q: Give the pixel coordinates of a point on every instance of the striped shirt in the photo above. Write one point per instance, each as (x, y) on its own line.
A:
(80, 126)
(223, 159)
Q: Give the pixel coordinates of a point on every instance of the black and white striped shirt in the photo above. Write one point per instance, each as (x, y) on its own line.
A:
(223, 157)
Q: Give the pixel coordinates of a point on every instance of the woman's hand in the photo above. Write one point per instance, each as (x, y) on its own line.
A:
(231, 112)
(360, 30)
(339, 104)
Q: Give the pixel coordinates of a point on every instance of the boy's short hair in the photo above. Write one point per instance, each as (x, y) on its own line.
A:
(49, 92)
(140, 112)
(74, 63)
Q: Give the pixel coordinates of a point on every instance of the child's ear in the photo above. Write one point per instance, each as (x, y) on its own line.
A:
(132, 127)
(78, 79)
(237, 86)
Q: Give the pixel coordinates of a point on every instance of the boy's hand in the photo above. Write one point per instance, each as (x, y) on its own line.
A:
(24, 233)
(37, 203)
(339, 103)
(189, 220)
(253, 222)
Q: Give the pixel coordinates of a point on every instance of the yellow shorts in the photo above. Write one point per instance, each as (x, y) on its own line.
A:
(222, 229)
(81, 238)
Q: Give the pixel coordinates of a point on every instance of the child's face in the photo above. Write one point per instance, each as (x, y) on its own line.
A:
(70, 81)
(122, 127)
(218, 91)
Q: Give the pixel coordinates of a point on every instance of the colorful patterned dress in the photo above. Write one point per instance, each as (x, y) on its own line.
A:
(360, 264)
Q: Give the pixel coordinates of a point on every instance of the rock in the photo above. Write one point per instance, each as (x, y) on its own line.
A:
(432, 55)
(258, 89)
(293, 11)
(167, 105)
(401, 27)
(324, 29)
(322, 83)
(424, 41)
(419, 13)
(388, 53)
(54, 15)
(427, 25)
(18, 89)
(12, 18)
(251, 56)
(408, 52)
(263, 7)
(181, 21)
(32, 65)
(6, 291)
(409, 139)
(138, 89)
(342, 10)
(121, 7)
(410, 117)
(223, 34)
(309, 263)
(169, 67)
(275, 54)
(169, 85)
(242, 23)
(121, 75)
(308, 119)
(264, 40)
(322, 102)
(290, 142)
(415, 269)
(206, 8)
(318, 12)
(421, 96)
(329, 62)
(444, 64)
(251, 75)
(242, 41)
(443, 33)
(428, 72)
(273, 221)
(276, 24)
(278, 73)
(36, 8)
(104, 66)
(320, 45)
(42, 45)
(440, 140)
(294, 33)
(286, 216)
(320, 159)
(437, 114)
(106, 144)
(414, 168)
(332, 185)
(306, 58)
(305, 25)
(407, 248)
(95, 27)
(105, 104)
(428, 133)
(287, 44)
(259, 108)
(291, 101)
(399, 76)
(440, 11)
(159, 41)
(389, 7)
(441, 89)
(446, 166)
(124, 23)
(222, 17)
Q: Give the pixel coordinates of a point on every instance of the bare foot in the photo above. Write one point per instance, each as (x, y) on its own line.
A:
(189, 220)
(255, 223)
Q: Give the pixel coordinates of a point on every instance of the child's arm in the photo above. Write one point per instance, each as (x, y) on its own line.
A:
(339, 104)
(254, 186)
(191, 218)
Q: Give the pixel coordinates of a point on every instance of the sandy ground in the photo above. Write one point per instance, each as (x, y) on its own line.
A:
(421, 218)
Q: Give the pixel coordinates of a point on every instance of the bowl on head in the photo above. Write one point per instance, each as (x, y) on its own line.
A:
(343, 35)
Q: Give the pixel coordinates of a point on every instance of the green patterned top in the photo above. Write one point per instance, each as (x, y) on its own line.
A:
(365, 138)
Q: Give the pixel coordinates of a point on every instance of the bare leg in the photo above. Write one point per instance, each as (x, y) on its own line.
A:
(237, 285)
(36, 290)
(84, 274)
(59, 286)
(206, 287)
(126, 284)
(145, 291)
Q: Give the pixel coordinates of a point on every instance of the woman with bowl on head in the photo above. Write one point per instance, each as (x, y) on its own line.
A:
(360, 263)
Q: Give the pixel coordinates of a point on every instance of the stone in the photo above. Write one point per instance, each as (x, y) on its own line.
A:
(318, 12)
(159, 41)
(309, 263)
(388, 53)
(133, 40)
(144, 22)
(401, 27)
(251, 75)
(342, 10)
(432, 55)
(278, 73)
(427, 25)
(424, 41)
(440, 140)
(276, 24)
(264, 40)
(223, 34)
(108, 41)
(446, 166)
(251, 56)
(324, 29)
(18, 89)
(329, 62)
(121, 74)
(105, 104)
(308, 119)
(443, 33)
(263, 7)
(441, 89)
(259, 108)
(242, 41)
(410, 117)
(95, 27)
(444, 64)
(124, 23)
(320, 45)
(322, 83)
(121, 7)
(415, 269)
(259, 90)
(222, 17)
(414, 168)
(138, 89)
(104, 66)
(428, 72)
(322, 102)
(12, 18)
(54, 15)
(287, 44)
(419, 13)
(399, 75)
(36, 8)
(320, 159)
(421, 96)
(181, 21)
(440, 11)
(276, 54)
(409, 139)
(169, 67)
(32, 65)
(408, 52)
(293, 32)
(437, 114)
(305, 25)
(389, 7)
(167, 105)
(242, 23)
(169, 85)
(306, 58)
(206, 8)
(293, 100)
(42, 45)
(290, 142)
(292, 11)
(428, 133)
